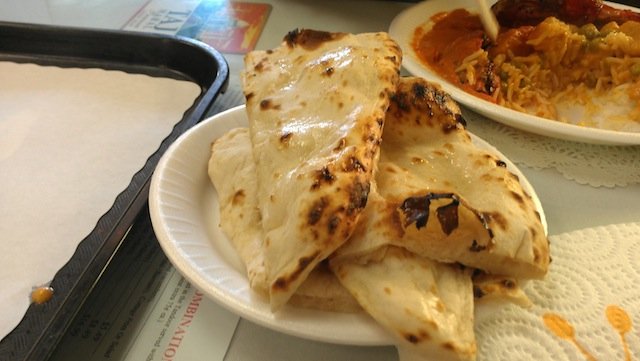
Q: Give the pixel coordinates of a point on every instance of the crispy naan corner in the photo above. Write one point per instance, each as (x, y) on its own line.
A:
(316, 106)
(426, 305)
(457, 202)
(499, 290)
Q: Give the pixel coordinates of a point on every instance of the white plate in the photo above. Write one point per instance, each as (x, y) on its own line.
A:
(184, 212)
(402, 28)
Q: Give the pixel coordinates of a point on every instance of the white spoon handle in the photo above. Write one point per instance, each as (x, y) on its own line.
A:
(488, 19)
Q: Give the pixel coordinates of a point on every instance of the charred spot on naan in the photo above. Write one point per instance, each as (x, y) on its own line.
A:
(337, 216)
(426, 101)
(518, 197)
(285, 138)
(328, 70)
(476, 247)
(334, 223)
(416, 211)
(496, 218)
(448, 216)
(353, 164)
(358, 196)
(322, 177)
(283, 282)
(268, 104)
(341, 145)
(417, 337)
(317, 210)
(238, 197)
(310, 39)
(371, 135)
(261, 65)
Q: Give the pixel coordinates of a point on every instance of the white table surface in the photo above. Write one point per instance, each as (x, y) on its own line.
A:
(568, 205)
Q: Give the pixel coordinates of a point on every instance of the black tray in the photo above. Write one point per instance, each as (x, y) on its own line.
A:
(172, 57)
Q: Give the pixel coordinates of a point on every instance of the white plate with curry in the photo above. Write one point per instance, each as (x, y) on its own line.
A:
(402, 29)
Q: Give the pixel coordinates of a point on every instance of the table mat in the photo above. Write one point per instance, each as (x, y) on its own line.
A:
(592, 164)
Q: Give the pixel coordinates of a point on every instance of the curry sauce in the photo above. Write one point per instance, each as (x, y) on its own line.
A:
(454, 36)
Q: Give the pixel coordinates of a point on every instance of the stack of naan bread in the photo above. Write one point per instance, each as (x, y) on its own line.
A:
(356, 189)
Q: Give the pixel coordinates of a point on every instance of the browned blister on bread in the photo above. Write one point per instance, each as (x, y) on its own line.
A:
(316, 107)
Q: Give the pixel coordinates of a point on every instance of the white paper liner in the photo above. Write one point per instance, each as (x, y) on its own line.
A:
(70, 142)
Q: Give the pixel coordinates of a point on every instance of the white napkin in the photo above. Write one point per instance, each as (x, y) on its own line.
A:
(597, 165)
(70, 141)
(595, 273)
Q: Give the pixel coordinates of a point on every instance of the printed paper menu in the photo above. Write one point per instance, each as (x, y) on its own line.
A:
(228, 26)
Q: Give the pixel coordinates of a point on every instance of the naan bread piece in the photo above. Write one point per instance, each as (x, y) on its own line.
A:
(322, 291)
(458, 203)
(445, 198)
(232, 171)
(426, 305)
(316, 107)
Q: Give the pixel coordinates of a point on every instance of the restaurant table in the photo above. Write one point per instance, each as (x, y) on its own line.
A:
(568, 204)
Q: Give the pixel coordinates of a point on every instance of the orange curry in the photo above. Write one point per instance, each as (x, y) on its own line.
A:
(455, 36)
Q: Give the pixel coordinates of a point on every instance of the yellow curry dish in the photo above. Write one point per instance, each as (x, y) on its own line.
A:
(586, 74)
